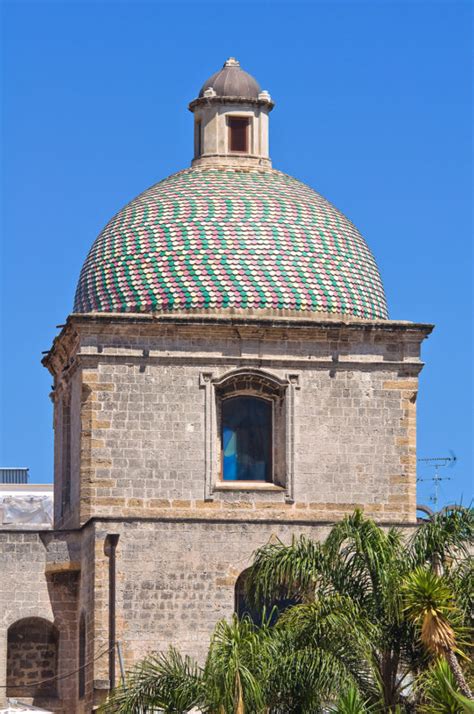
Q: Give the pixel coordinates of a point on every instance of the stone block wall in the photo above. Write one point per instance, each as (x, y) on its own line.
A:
(38, 585)
(147, 434)
(186, 582)
(175, 580)
(32, 657)
(143, 461)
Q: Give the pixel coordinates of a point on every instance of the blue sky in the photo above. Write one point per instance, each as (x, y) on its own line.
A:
(373, 111)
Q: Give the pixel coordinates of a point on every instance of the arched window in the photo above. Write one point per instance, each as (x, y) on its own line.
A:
(251, 417)
(32, 656)
(246, 439)
(244, 607)
(249, 428)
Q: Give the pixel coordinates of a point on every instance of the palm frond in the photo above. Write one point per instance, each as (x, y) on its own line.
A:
(461, 581)
(351, 702)
(165, 681)
(429, 602)
(369, 554)
(336, 631)
(238, 665)
(285, 571)
(436, 688)
(446, 536)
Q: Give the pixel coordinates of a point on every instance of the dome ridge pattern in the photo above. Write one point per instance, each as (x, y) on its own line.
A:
(225, 238)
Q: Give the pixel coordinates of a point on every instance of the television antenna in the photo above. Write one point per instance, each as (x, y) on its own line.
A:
(437, 463)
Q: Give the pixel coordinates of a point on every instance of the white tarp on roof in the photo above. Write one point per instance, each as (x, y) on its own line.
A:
(17, 707)
(26, 509)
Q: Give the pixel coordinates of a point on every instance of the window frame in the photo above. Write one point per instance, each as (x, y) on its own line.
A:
(214, 386)
(250, 394)
(240, 118)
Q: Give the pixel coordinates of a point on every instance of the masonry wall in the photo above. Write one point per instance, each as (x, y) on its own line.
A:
(175, 579)
(144, 464)
(38, 580)
(144, 425)
(148, 444)
(67, 450)
(32, 657)
(91, 597)
(177, 592)
(186, 583)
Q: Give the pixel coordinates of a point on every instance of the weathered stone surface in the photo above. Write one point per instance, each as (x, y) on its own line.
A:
(144, 425)
(144, 464)
(29, 590)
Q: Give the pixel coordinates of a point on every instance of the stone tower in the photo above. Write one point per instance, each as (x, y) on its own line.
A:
(229, 372)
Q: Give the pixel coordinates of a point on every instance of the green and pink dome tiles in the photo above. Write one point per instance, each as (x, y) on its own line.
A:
(211, 239)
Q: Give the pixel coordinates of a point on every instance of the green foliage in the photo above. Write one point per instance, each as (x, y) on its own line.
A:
(321, 651)
(369, 566)
(460, 577)
(281, 570)
(429, 603)
(165, 681)
(351, 702)
(445, 537)
(238, 666)
(437, 690)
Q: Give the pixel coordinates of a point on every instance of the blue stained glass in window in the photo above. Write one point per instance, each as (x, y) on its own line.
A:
(246, 439)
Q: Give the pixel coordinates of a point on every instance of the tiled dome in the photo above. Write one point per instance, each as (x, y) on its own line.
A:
(209, 239)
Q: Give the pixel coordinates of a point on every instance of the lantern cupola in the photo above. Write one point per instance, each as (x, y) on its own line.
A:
(231, 119)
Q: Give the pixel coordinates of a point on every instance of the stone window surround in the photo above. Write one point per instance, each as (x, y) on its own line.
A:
(250, 142)
(280, 390)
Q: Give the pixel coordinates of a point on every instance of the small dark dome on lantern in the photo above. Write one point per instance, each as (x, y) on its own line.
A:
(232, 81)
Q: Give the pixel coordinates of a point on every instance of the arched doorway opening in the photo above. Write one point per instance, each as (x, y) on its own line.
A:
(32, 658)
(244, 606)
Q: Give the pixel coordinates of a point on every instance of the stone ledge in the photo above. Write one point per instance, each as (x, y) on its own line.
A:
(247, 486)
(395, 510)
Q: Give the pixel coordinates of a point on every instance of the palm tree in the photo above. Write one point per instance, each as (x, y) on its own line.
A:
(164, 681)
(233, 680)
(254, 669)
(430, 604)
(368, 565)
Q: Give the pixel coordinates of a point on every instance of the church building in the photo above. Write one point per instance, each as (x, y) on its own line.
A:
(229, 373)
